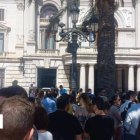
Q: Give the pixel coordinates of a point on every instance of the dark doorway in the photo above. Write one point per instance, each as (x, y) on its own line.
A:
(46, 77)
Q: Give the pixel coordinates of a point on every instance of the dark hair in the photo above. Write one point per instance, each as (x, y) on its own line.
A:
(113, 98)
(60, 86)
(12, 91)
(41, 94)
(99, 102)
(80, 90)
(31, 99)
(107, 105)
(129, 94)
(63, 101)
(85, 98)
(41, 118)
(18, 117)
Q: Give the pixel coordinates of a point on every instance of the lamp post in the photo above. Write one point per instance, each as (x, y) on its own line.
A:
(73, 35)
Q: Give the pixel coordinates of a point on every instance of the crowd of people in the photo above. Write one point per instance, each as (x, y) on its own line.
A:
(56, 114)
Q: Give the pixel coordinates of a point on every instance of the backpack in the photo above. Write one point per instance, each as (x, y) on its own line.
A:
(124, 113)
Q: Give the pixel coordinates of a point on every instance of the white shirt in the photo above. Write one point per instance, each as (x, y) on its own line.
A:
(45, 135)
(132, 119)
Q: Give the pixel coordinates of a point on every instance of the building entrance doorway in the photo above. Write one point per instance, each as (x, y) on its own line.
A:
(46, 77)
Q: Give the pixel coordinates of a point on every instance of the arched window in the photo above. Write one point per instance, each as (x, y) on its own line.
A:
(47, 39)
(48, 10)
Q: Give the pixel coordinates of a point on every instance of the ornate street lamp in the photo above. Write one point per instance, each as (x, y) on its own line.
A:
(74, 35)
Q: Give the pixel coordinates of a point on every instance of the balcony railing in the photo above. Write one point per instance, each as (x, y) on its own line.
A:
(118, 51)
(43, 52)
(89, 51)
(44, 21)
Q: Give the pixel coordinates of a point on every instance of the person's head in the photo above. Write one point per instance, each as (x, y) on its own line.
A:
(115, 100)
(80, 90)
(130, 95)
(31, 85)
(102, 92)
(61, 87)
(63, 102)
(89, 90)
(18, 117)
(84, 99)
(12, 91)
(41, 94)
(41, 118)
(98, 104)
(15, 83)
(107, 107)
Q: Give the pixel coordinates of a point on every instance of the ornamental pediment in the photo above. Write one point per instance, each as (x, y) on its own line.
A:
(4, 27)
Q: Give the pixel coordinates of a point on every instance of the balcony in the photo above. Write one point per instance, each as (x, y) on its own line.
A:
(118, 51)
(44, 21)
(89, 55)
(47, 52)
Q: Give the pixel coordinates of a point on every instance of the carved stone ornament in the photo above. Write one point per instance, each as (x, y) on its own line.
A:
(20, 5)
(82, 14)
(32, 35)
(128, 13)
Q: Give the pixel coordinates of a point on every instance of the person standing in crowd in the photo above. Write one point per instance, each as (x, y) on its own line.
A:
(15, 83)
(80, 91)
(83, 111)
(39, 98)
(49, 103)
(132, 120)
(115, 114)
(32, 90)
(41, 124)
(62, 90)
(101, 126)
(129, 98)
(90, 93)
(63, 125)
(13, 91)
(18, 118)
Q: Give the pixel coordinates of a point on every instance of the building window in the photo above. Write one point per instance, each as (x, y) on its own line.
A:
(47, 39)
(1, 14)
(1, 42)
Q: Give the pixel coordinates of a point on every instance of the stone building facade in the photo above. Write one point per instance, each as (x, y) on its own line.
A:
(28, 52)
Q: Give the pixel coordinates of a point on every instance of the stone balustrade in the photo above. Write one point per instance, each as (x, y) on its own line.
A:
(44, 21)
(81, 51)
(46, 52)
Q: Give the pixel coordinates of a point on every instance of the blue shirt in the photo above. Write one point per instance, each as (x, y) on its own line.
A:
(49, 104)
(63, 91)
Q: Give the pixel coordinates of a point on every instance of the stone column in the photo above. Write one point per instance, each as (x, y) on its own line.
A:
(32, 21)
(19, 47)
(82, 77)
(91, 77)
(20, 9)
(131, 77)
(31, 41)
(138, 78)
(137, 10)
(43, 36)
